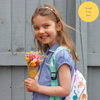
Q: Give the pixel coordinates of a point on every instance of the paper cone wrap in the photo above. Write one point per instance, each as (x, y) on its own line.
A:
(32, 71)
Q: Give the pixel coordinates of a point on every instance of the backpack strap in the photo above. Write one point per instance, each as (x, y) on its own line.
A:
(53, 70)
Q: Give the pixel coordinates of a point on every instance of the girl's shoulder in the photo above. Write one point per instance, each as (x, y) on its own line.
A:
(63, 57)
(63, 51)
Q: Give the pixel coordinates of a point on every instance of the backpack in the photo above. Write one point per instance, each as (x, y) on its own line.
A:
(78, 82)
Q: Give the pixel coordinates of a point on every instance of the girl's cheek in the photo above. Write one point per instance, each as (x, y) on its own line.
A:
(48, 30)
(36, 33)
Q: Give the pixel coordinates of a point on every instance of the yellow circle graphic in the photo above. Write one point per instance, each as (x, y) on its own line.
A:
(88, 11)
(32, 73)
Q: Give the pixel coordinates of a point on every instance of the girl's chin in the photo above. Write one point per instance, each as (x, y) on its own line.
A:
(44, 43)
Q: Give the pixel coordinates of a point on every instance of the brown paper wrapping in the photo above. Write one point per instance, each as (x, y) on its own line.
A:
(32, 71)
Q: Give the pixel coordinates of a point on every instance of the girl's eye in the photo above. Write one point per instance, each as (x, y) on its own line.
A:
(46, 25)
(36, 28)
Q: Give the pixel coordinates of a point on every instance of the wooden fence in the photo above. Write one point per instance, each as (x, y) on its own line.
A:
(16, 37)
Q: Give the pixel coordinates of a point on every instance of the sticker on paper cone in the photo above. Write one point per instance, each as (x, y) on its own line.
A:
(32, 73)
(88, 11)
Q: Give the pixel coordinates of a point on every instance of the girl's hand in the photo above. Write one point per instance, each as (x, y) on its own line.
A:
(36, 79)
(28, 89)
(31, 84)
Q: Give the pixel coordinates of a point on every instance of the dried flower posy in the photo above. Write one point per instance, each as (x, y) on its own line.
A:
(34, 58)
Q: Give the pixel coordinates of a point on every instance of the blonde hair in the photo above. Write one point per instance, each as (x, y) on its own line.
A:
(63, 37)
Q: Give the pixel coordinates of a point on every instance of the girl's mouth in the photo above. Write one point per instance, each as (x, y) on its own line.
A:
(44, 37)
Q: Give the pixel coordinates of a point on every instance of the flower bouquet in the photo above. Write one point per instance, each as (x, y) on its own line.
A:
(33, 61)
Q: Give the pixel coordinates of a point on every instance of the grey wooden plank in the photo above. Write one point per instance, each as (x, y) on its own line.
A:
(81, 41)
(90, 37)
(70, 17)
(5, 26)
(12, 59)
(93, 83)
(18, 25)
(31, 5)
(89, 83)
(84, 48)
(96, 30)
(19, 59)
(96, 83)
(5, 83)
(42, 2)
(93, 59)
(17, 82)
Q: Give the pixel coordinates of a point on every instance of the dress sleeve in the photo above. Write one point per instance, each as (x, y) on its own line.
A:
(64, 57)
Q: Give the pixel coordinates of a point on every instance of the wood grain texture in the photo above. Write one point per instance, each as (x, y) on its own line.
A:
(42, 2)
(93, 59)
(5, 26)
(93, 83)
(5, 83)
(18, 25)
(18, 88)
(12, 59)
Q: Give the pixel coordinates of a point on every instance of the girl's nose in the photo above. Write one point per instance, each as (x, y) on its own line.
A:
(41, 31)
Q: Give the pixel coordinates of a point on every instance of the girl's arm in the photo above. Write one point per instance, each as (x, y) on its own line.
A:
(62, 90)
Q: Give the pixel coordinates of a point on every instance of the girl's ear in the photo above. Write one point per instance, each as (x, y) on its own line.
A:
(59, 26)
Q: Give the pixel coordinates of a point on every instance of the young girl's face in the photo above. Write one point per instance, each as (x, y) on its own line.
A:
(45, 30)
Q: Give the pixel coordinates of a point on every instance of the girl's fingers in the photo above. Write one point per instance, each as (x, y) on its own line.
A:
(28, 80)
(28, 90)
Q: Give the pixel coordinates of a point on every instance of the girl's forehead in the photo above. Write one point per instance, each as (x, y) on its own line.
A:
(42, 19)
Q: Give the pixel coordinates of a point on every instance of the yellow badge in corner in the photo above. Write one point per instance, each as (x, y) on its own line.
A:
(32, 73)
(88, 11)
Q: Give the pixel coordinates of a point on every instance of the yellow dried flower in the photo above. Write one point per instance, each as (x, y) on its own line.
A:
(27, 59)
(27, 53)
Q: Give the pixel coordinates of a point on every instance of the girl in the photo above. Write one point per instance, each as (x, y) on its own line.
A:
(50, 32)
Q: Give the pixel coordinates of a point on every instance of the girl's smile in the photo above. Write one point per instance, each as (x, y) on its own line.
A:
(45, 30)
